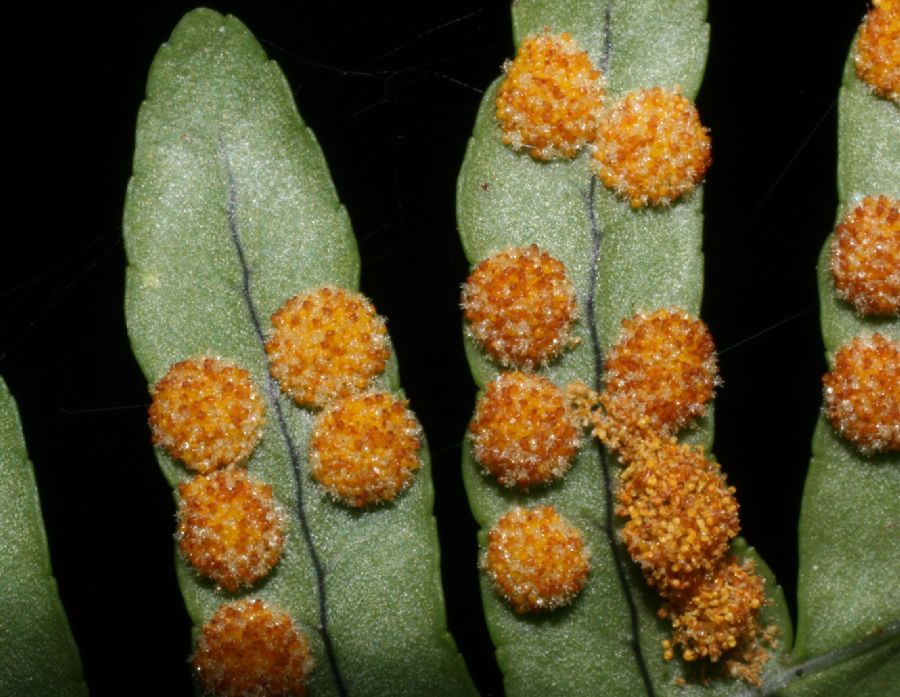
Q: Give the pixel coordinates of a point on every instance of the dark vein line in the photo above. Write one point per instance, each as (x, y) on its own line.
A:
(272, 391)
(607, 30)
(821, 662)
(608, 528)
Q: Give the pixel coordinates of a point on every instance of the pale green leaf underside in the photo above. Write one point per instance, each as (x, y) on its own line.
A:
(649, 258)
(38, 656)
(849, 541)
(219, 125)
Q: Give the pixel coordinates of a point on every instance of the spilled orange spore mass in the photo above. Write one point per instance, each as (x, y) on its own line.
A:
(365, 449)
(520, 305)
(535, 559)
(651, 147)
(681, 515)
(326, 344)
(248, 649)
(230, 528)
(862, 393)
(718, 614)
(551, 100)
(662, 369)
(865, 256)
(878, 49)
(523, 432)
(206, 413)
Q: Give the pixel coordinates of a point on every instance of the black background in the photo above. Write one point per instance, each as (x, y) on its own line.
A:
(391, 94)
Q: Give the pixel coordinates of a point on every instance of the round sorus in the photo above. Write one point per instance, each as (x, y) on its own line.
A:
(878, 49)
(230, 528)
(248, 649)
(206, 413)
(862, 393)
(535, 559)
(365, 449)
(523, 432)
(681, 515)
(520, 306)
(651, 147)
(552, 97)
(865, 256)
(662, 369)
(326, 344)
(718, 614)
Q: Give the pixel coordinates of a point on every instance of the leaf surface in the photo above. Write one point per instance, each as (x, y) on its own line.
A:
(230, 212)
(38, 656)
(849, 543)
(648, 258)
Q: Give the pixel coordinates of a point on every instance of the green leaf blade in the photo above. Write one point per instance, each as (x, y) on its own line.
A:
(38, 656)
(849, 545)
(230, 212)
(648, 259)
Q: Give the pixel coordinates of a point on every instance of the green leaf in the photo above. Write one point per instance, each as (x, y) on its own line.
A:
(849, 542)
(230, 212)
(648, 258)
(38, 656)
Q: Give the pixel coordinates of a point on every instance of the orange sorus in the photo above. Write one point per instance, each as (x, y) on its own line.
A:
(681, 514)
(206, 413)
(248, 649)
(865, 256)
(326, 344)
(520, 306)
(523, 432)
(551, 99)
(651, 147)
(662, 370)
(862, 393)
(365, 449)
(718, 614)
(535, 559)
(230, 528)
(878, 49)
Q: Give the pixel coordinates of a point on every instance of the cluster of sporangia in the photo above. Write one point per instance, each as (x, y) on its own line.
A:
(679, 513)
(862, 391)
(325, 348)
(648, 146)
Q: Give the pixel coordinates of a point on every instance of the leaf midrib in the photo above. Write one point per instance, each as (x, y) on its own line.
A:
(608, 527)
(272, 392)
(593, 277)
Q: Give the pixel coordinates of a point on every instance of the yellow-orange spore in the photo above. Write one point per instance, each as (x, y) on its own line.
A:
(326, 344)
(865, 256)
(862, 393)
(661, 370)
(248, 649)
(365, 449)
(878, 49)
(551, 99)
(681, 515)
(651, 147)
(535, 559)
(520, 306)
(206, 413)
(719, 613)
(230, 529)
(523, 432)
